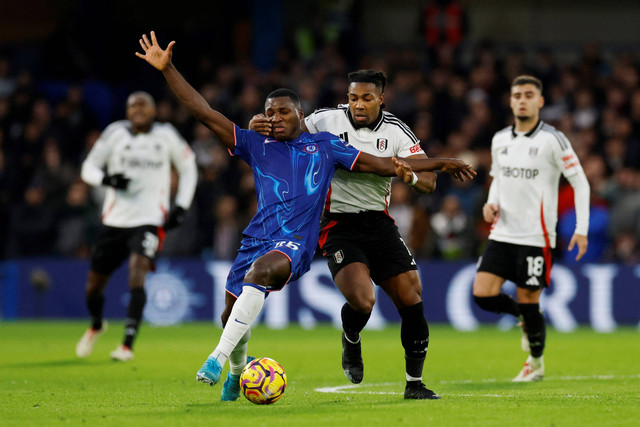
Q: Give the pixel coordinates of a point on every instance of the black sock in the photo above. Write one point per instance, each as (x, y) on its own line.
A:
(535, 326)
(501, 303)
(353, 322)
(95, 304)
(134, 315)
(414, 334)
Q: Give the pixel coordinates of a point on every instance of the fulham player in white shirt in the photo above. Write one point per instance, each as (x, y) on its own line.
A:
(528, 159)
(359, 238)
(133, 159)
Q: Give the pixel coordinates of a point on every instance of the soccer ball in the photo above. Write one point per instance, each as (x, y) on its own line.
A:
(263, 381)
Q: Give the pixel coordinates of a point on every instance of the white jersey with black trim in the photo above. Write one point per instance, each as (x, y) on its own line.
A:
(388, 136)
(146, 159)
(526, 171)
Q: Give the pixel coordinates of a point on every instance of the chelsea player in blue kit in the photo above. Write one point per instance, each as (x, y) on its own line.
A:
(292, 171)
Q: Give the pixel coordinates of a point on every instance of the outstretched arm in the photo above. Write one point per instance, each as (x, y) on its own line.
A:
(195, 103)
(386, 166)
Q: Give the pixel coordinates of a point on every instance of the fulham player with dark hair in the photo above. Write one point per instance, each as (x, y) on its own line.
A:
(528, 159)
(133, 159)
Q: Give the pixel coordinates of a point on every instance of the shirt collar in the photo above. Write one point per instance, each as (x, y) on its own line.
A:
(371, 125)
(528, 134)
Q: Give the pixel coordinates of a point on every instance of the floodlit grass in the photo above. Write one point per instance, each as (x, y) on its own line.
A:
(591, 379)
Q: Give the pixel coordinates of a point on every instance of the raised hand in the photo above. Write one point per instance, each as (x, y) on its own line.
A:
(261, 124)
(153, 53)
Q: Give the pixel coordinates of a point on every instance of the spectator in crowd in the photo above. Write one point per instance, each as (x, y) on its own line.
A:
(594, 99)
(453, 230)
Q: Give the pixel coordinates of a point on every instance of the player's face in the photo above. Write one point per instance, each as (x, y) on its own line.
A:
(365, 100)
(526, 102)
(140, 112)
(285, 117)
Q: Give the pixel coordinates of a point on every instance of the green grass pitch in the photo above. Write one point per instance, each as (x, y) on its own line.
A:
(591, 379)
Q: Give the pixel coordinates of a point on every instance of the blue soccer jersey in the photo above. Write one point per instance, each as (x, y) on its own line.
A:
(292, 179)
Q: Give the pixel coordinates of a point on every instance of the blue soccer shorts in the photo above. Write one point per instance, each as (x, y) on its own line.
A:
(252, 249)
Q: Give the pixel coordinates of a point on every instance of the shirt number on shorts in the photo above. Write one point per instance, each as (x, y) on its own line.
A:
(291, 245)
(535, 265)
(150, 244)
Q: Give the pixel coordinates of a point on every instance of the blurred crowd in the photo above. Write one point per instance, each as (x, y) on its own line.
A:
(454, 103)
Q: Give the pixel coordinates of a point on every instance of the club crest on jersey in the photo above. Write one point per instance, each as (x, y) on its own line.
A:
(311, 148)
(338, 257)
(382, 143)
(533, 151)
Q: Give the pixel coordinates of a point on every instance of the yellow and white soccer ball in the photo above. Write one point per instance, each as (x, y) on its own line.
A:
(263, 381)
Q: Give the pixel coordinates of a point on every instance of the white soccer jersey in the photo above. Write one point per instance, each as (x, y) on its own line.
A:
(526, 172)
(388, 136)
(146, 159)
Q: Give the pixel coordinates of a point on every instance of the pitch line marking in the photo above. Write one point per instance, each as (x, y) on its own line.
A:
(357, 388)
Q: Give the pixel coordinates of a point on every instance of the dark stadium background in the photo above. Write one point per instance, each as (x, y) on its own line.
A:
(66, 68)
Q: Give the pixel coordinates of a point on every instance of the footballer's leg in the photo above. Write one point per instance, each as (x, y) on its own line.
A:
(529, 305)
(96, 283)
(354, 282)
(487, 295)
(109, 252)
(238, 359)
(405, 291)
(271, 270)
(139, 266)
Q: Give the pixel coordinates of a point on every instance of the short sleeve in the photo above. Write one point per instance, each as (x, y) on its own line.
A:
(344, 154)
(311, 121)
(242, 146)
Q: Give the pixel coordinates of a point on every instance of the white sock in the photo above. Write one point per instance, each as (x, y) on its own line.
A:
(410, 378)
(244, 312)
(537, 362)
(238, 357)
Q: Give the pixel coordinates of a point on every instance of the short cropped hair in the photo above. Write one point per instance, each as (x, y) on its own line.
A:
(281, 92)
(526, 79)
(142, 94)
(378, 78)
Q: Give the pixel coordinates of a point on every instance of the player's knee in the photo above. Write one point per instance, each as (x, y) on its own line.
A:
(271, 271)
(96, 282)
(260, 273)
(362, 303)
(139, 263)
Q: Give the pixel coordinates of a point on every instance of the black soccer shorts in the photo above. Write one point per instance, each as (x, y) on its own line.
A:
(114, 245)
(528, 267)
(369, 237)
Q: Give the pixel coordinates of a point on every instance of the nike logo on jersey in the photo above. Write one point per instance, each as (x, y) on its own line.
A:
(242, 323)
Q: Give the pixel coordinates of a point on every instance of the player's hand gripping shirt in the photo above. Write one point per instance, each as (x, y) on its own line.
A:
(386, 137)
(292, 179)
(526, 171)
(146, 159)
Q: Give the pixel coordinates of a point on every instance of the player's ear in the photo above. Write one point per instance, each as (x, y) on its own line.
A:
(301, 114)
(541, 101)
